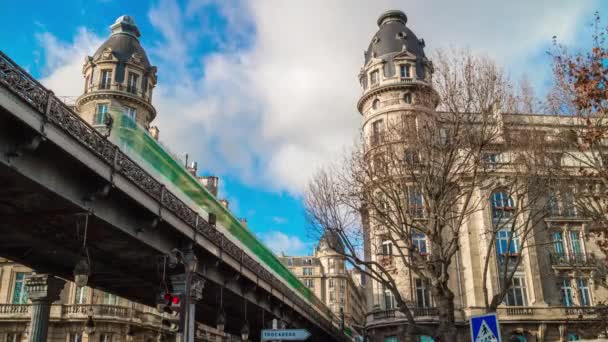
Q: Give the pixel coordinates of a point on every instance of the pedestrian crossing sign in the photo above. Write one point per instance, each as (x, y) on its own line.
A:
(485, 328)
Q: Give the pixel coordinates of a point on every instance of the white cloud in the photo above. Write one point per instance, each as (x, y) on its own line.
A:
(279, 220)
(280, 242)
(63, 61)
(272, 110)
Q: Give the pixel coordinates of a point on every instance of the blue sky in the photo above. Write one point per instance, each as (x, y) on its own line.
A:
(263, 92)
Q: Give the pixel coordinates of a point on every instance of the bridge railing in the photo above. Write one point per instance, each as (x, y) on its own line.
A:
(53, 111)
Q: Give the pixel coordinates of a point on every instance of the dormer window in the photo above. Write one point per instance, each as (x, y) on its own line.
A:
(106, 79)
(405, 71)
(375, 77)
(132, 83)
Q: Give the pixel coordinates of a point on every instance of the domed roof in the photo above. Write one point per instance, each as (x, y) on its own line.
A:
(394, 37)
(124, 44)
(331, 241)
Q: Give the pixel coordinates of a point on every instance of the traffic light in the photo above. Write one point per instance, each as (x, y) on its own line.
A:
(172, 307)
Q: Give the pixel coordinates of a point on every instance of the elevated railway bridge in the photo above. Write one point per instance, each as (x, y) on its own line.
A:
(62, 180)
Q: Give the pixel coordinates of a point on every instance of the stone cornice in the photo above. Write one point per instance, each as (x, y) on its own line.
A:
(104, 94)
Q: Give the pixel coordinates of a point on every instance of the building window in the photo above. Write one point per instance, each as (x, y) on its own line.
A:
(307, 271)
(562, 205)
(307, 261)
(391, 339)
(576, 245)
(419, 242)
(131, 113)
(415, 202)
(376, 104)
(490, 159)
(374, 76)
(387, 247)
(132, 83)
(19, 291)
(584, 295)
(80, 295)
(516, 294)
(102, 114)
(310, 283)
(558, 243)
(389, 299)
(412, 157)
(573, 337)
(405, 71)
(506, 244)
(331, 283)
(105, 338)
(110, 299)
(502, 205)
(75, 337)
(423, 294)
(407, 98)
(106, 79)
(566, 293)
(332, 296)
(13, 337)
(377, 131)
(290, 262)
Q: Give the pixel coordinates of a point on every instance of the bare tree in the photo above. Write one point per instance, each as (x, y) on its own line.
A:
(522, 175)
(399, 202)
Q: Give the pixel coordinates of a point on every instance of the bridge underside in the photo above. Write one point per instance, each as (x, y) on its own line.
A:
(44, 231)
(44, 196)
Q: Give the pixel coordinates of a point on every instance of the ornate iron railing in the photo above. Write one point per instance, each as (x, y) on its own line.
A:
(383, 314)
(572, 259)
(429, 311)
(54, 111)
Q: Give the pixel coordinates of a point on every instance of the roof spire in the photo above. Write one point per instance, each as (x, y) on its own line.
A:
(125, 24)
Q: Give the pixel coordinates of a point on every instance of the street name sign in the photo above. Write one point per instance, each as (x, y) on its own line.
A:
(485, 328)
(285, 334)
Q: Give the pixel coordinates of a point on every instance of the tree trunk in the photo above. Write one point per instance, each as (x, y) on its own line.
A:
(447, 321)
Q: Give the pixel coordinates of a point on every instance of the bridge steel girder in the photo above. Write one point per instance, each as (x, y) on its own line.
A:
(68, 171)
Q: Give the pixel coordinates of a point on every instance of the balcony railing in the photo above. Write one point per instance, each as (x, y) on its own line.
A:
(383, 314)
(428, 311)
(14, 310)
(572, 260)
(519, 310)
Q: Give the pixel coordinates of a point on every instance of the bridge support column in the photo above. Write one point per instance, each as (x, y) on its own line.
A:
(42, 290)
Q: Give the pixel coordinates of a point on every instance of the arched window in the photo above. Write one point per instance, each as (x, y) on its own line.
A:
(376, 104)
(502, 205)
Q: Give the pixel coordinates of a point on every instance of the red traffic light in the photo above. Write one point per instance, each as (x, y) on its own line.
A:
(175, 300)
(168, 296)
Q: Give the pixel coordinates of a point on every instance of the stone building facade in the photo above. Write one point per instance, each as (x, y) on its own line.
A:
(118, 78)
(559, 282)
(326, 274)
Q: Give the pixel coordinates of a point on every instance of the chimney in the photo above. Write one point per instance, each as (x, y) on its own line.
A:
(225, 203)
(210, 183)
(154, 132)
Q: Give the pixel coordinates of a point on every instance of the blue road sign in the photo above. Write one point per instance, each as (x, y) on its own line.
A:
(485, 328)
(285, 334)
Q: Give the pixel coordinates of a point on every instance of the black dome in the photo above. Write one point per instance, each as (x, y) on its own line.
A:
(124, 43)
(390, 39)
(330, 240)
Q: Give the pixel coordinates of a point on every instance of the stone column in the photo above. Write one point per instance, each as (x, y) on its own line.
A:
(42, 290)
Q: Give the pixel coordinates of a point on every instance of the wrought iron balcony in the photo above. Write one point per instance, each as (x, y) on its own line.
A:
(571, 260)
(383, 314)
(427, 311)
